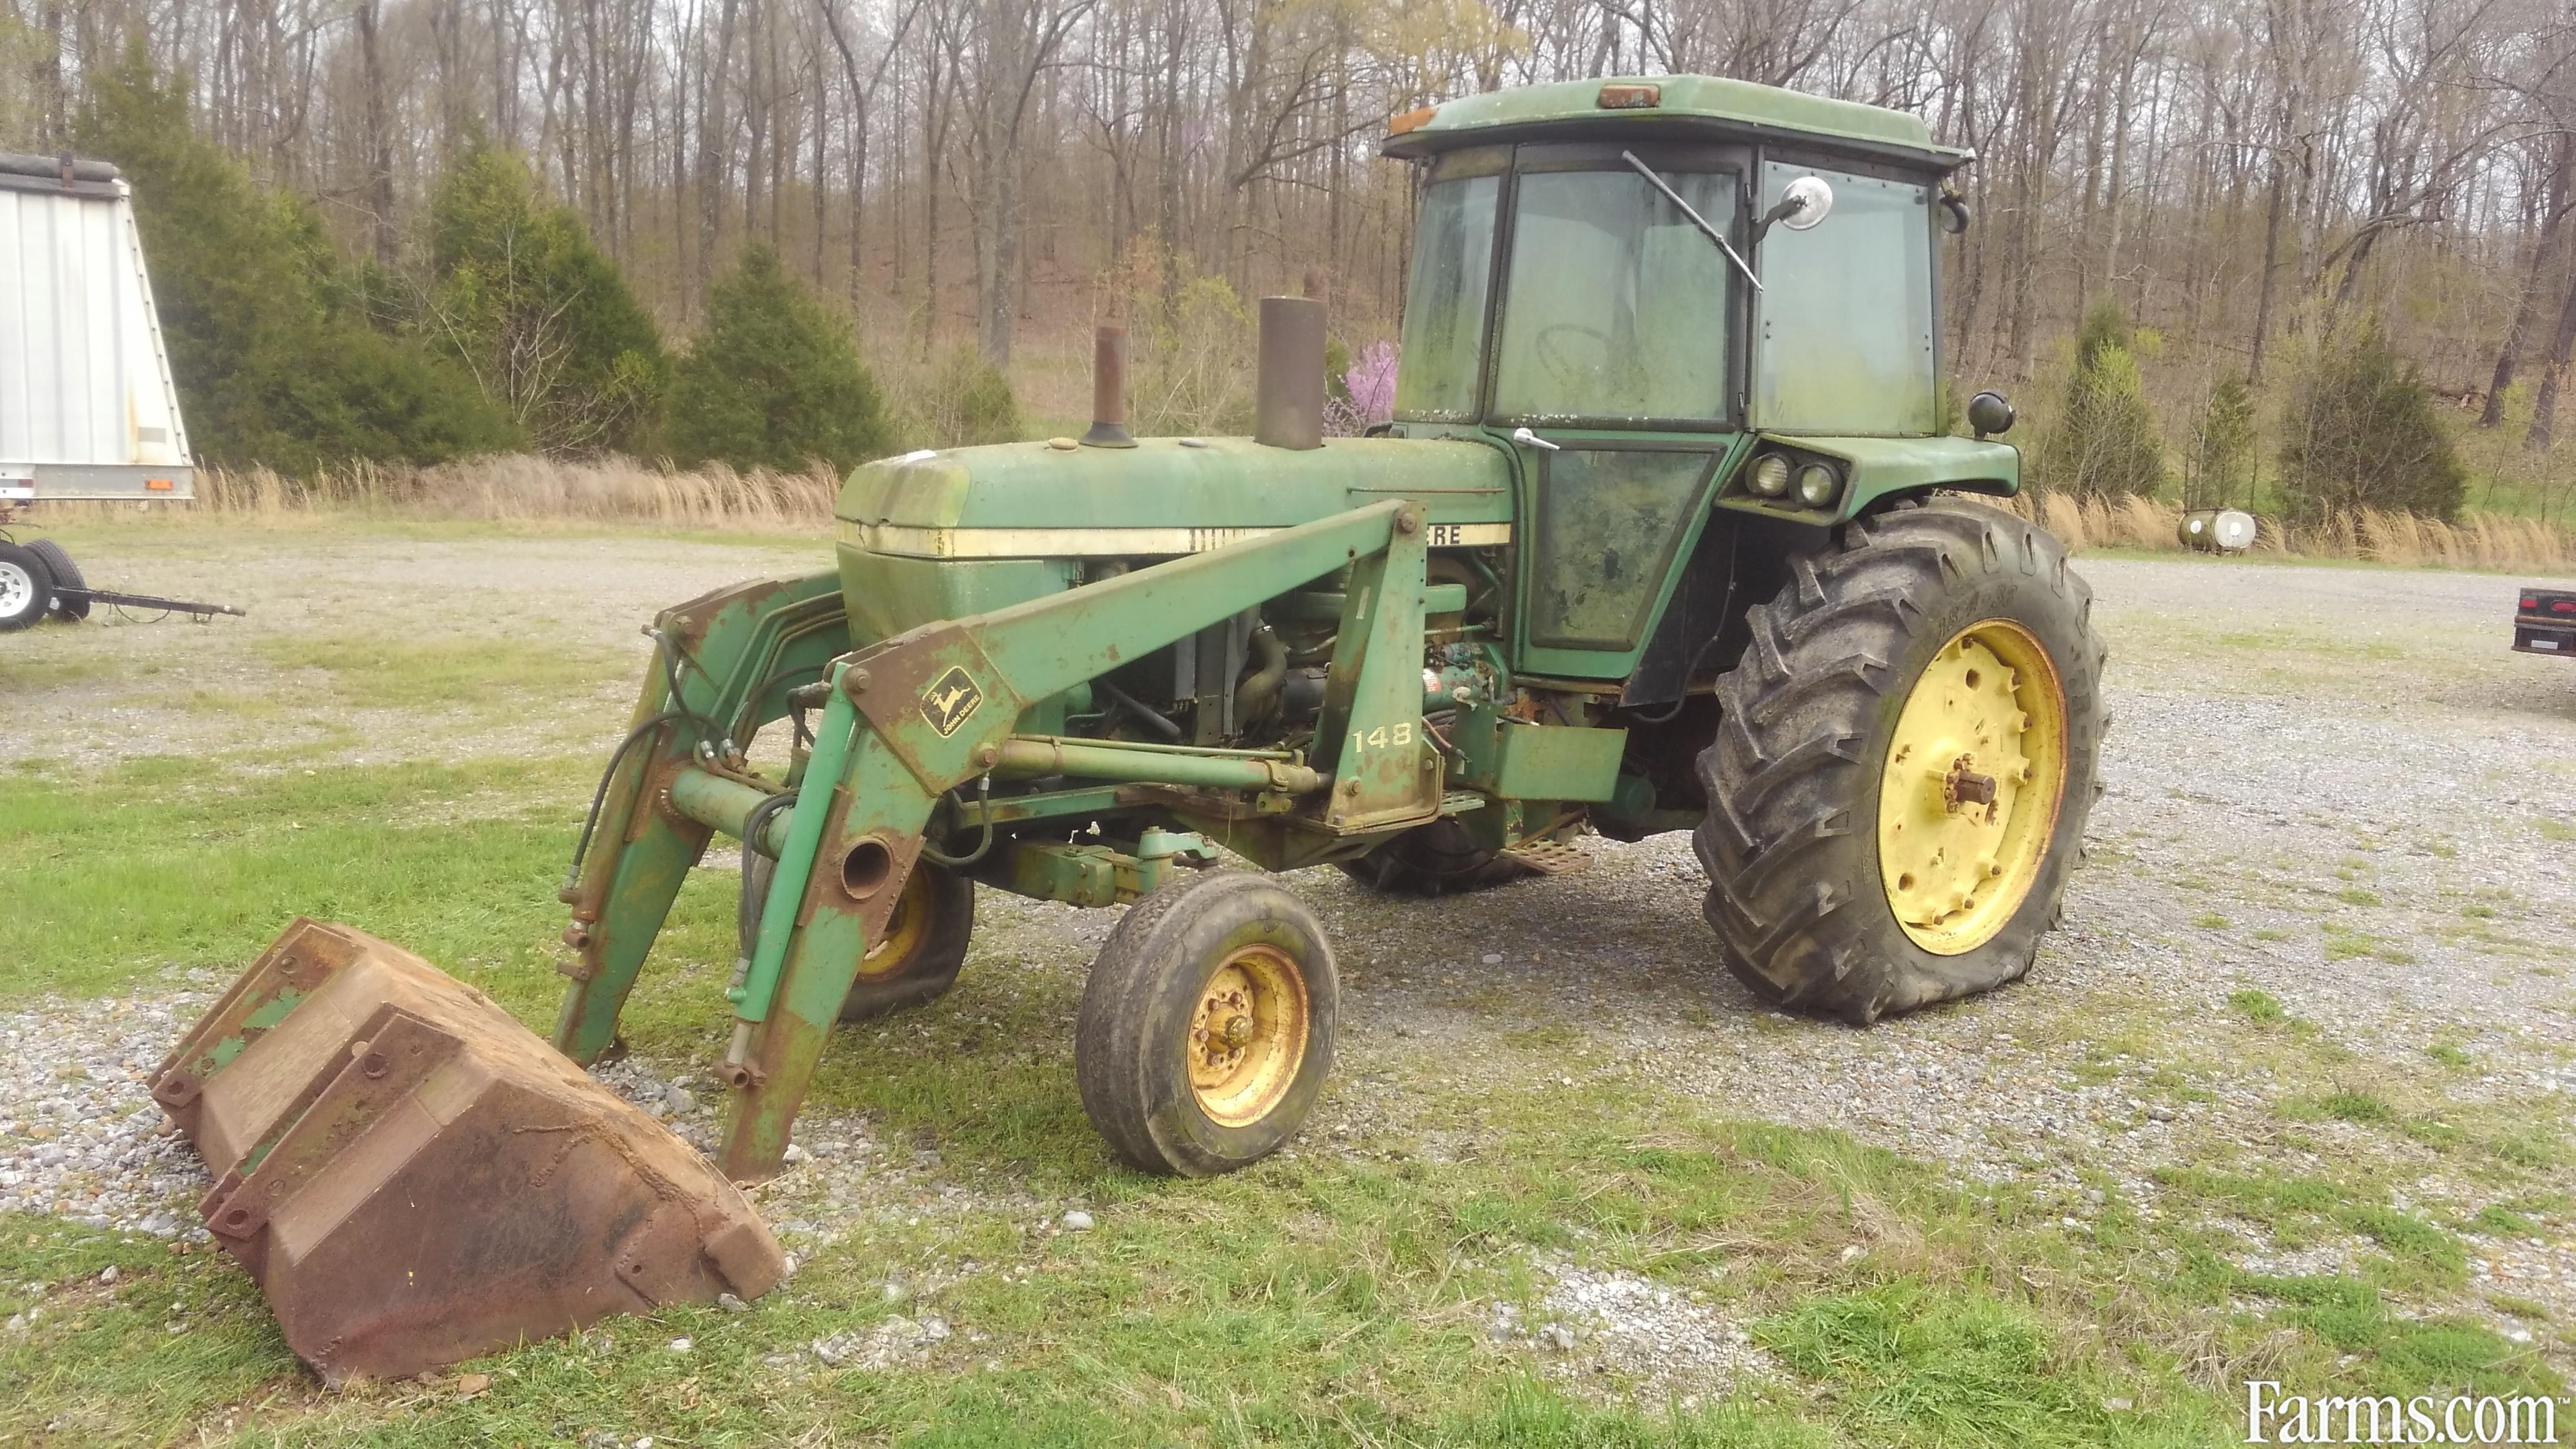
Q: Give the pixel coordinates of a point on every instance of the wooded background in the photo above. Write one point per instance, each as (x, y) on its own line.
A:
(2241, 176)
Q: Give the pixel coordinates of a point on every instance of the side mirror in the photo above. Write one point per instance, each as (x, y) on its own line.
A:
(1989, 412)
(1804, 203)
(1954, 216)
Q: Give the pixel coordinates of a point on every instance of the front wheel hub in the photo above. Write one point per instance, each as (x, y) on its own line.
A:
(1248, 1036)
(1975, 775)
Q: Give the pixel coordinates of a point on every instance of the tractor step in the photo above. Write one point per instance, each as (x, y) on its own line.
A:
(414, 1178)
(1549, 858)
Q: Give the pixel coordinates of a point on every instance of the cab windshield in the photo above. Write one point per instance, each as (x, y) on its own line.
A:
(1615, 307)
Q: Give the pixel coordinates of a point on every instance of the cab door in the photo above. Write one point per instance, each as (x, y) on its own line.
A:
(1616, 346)
(1605, 518)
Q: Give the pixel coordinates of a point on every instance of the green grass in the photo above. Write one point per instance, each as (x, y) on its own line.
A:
(2342, 943)
(2498, 1220)
(1920, 1365)
(2534, 1147)
(2357, 1107)
(22, 674)
(389, 671)
(2259, 1007)
(2399, 1355)
(168, 863)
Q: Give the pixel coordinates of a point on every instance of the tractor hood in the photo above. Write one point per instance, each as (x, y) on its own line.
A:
(1161, 497)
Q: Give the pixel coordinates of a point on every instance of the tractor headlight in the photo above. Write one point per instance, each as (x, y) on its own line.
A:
(1769, 476)
(1817, 484)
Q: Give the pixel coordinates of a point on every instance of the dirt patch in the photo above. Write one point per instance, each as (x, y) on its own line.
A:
(1660, 1343)
(117, 687)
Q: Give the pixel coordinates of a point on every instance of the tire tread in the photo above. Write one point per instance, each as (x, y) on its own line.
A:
(1788, 766)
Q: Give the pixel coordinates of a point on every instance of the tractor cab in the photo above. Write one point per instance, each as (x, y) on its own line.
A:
(1665, 293)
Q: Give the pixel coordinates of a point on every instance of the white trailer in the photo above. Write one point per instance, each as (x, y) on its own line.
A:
(87, 409)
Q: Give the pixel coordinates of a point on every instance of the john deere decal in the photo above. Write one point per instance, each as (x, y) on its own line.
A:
(947, 702)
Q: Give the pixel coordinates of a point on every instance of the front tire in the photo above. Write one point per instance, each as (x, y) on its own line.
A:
(1936, 673)
(1206, 1028)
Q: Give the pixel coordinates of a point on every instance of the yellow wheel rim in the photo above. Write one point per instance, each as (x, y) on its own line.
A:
(1248, 1036)
(1974, 775)
(904, 929)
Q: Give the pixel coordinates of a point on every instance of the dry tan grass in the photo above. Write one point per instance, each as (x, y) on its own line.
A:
(2479, 540)
(522, 488)
(525, 488)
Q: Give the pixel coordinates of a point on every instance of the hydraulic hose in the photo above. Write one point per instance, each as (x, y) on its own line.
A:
(599, 796)
(1258, 694)
(984, 797)
(1154, 719)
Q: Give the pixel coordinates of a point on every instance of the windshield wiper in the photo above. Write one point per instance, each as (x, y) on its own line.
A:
(1712, 233)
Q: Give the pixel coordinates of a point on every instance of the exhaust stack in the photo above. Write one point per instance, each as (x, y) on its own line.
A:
(1109, 391)
(1289, 390)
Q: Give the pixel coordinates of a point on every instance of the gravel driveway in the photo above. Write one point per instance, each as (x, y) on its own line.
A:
(2334, 857)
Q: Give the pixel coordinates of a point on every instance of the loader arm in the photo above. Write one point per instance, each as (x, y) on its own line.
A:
(909, 719)
(767, 636)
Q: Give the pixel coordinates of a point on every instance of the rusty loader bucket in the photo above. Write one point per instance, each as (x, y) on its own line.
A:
(415, 1178)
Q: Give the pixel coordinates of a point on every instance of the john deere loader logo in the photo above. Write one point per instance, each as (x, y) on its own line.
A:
(947, 703)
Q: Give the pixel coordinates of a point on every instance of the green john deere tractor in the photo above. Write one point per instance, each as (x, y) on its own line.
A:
(1662, 538)
(1667, 534)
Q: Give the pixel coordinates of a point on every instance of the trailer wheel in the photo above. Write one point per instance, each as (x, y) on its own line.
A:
(1433, 860)
(1206, 1028)
(26, 587)
(71, 591)
(1907, 754)
(924, 945)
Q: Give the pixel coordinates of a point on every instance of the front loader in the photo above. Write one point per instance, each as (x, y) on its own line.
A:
(1668, 533)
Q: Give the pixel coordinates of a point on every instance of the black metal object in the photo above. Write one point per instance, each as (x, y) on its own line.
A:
(149, 601)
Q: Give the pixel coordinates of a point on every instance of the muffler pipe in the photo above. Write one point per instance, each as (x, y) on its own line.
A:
(1288, 393)
(1109, 391)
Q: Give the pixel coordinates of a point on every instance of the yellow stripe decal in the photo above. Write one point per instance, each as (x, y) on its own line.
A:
(913, 541)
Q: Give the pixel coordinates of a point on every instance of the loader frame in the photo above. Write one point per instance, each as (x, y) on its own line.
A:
(907, 723)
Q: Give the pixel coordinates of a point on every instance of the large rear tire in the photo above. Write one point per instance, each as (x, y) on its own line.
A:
(1206, 1028)
(1437, 859)
(1904, 767)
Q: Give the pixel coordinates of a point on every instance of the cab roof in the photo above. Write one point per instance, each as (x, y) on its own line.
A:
(1670, 107)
